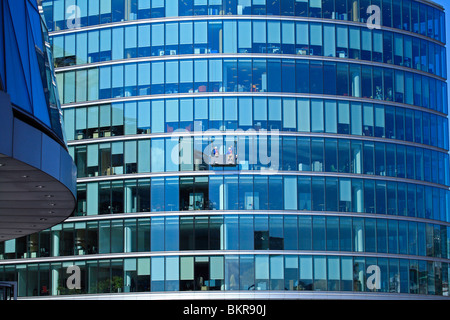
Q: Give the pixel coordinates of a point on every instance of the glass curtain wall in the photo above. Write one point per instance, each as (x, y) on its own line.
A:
(249, 146)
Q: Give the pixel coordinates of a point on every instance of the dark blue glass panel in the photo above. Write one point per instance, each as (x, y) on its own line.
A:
(275, 193)
(16, 81)
(274, 75)
(261, 193)
(157, 194)
(171, 194)
(288, 75)
(185, 8)
(273, 7)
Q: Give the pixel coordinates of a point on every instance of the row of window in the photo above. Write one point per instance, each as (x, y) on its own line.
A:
(255, 114)
(233, 272)
(261, 152)
(249, 36)
(233, 232)
(261, 192)
(401, 14)
(252, 75)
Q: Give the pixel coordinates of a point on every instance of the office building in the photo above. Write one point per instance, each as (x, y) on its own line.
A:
(249, 149)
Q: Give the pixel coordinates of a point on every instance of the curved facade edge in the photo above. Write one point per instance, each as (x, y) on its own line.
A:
(244, 295)
(35, 148)
(257, 172)
(248, 56)
(248, 94)
(119, 216)
(38, 176)
(242, 133)
(207, 253)
(236, 17)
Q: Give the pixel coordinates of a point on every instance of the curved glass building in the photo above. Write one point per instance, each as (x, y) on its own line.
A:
(37, 174)
(249, 149)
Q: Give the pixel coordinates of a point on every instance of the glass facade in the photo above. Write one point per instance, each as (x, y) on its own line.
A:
(248, 145)
(277, 37)
(37, 174)
(26, 72)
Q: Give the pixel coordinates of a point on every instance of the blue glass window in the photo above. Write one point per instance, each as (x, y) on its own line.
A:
(244, 36)
(143, 34)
